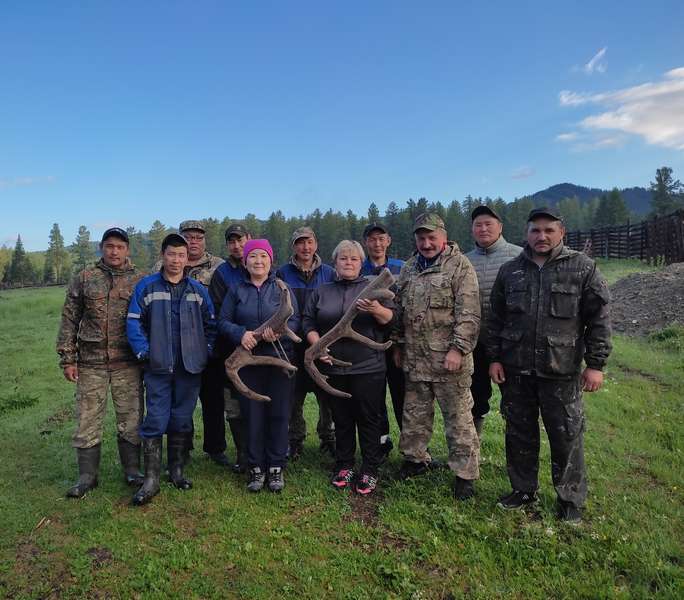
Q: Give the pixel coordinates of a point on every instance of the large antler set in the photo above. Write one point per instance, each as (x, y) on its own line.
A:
(377, 289)
(241, 357)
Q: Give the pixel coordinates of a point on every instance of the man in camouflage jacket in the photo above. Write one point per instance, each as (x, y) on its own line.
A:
(94, 354)
(437, 329)
(549, 310)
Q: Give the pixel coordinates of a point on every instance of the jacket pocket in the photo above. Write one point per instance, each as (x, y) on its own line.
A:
(562, 355)
(511, 348)
(441, 294)
(517, 299)
(564, 300)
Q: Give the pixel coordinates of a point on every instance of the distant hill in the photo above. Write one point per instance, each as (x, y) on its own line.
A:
(638, 199)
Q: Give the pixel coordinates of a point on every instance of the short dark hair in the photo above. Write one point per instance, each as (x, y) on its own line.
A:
(175, 240)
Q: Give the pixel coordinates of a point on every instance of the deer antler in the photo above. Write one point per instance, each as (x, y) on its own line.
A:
(377, 289)
(241, 357)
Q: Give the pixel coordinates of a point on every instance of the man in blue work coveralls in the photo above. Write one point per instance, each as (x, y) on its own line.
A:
(171, 328)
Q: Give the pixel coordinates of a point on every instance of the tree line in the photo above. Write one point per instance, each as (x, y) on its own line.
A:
(59, 261)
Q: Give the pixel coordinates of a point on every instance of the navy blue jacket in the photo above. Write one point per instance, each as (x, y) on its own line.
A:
(393, 264)
(225, 278)
(246, 307)
(149, 324)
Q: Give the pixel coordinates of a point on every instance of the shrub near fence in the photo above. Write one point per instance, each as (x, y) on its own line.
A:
(655, 240)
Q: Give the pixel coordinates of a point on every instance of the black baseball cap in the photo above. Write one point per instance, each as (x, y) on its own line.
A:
(115, 232)
(372, 227)
(484, 210)
(544, 211)
(175, 240)
(236, 229)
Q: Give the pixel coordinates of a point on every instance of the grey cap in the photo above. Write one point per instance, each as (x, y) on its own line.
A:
(302, 232)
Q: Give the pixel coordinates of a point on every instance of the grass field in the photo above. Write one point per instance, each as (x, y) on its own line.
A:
(411, 540)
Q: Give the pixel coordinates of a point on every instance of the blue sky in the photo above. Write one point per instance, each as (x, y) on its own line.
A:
(125, 112)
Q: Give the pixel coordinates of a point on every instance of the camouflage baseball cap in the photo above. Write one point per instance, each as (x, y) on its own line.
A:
(302, 232)
(429, 221)
(236, 229)
(188, 225)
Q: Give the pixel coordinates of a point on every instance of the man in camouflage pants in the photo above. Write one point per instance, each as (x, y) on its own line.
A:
(95, 355)
(437, 329)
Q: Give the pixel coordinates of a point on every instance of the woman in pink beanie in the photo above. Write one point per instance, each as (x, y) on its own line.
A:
(246, 306)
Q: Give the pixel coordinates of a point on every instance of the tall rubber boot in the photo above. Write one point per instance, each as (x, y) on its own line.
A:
(130, 461)
(176, 445)
(88, 466)
(238, 431)
(152, 448)
(479, 424)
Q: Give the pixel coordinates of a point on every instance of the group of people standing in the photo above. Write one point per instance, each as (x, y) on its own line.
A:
(524, 318)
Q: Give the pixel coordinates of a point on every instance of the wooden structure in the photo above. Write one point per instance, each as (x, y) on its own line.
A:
(659, 240)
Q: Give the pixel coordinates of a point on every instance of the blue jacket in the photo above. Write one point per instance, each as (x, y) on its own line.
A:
(225, 278)
(393, 264)
(247, 306)
(149, 324)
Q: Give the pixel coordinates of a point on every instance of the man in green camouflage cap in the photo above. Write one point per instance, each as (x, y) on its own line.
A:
(95, 355)
(437, 329)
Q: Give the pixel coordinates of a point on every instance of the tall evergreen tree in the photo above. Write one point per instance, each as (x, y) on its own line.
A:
(139, 251)
(57, 266)
(156, 236)
(667, 193)
(20, 272)
(82, 250)
(373, 213)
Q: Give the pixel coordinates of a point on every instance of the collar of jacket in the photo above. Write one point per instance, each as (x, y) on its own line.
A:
(557, 253)
(270, 279)
(450, 249)
(204, 262)
(492, 247)
(234, 262)
(317, 262)
(343, 281)
(127, 267)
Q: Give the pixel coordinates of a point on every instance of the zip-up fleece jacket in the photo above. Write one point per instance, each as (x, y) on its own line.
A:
(326, 306)
(247, 306)
(149, 324)
(487, 262)
(543, 321)
(93, 327)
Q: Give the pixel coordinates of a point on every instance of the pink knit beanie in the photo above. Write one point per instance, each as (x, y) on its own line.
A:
(257, 245)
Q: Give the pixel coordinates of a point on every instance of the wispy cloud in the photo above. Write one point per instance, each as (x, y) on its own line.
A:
(522, 172)
(567, 137)
(653, 111)
(596, 64)
(6, 183)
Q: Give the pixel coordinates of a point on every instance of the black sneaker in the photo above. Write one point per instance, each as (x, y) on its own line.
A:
(463, 489)
(516, 500)
(220, 459)
(366, 484)
(569, 513)
(412, 469)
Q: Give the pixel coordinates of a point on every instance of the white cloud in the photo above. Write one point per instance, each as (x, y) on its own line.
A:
(653, 111)
(523, 172)
(596, 63)
(567, 137)
(24, 181)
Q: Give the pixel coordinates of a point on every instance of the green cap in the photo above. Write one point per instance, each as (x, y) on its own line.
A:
(302, 232)
(429, 221)
(188, 225)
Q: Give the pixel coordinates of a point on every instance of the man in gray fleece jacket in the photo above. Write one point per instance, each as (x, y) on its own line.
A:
(490, 253)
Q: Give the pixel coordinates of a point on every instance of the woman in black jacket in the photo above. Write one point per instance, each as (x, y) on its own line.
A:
(364, 379)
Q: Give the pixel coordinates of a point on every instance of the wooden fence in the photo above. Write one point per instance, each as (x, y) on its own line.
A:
(656, 240)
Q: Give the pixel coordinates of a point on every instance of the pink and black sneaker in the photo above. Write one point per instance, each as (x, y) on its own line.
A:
(366, 485)
(344, 478)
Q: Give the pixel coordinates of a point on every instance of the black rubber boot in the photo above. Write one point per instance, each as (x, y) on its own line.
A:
(479, 424)
(237, 430)
(152, 448)
(176, 446)
(130, 461)
(88, 466)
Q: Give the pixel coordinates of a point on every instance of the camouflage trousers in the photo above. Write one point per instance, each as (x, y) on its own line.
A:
(126, 387)
(560, 403)
(455, 402)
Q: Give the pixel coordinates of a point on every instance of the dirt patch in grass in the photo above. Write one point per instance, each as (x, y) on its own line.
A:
(365, 509)
(632, 372)
(101, 556)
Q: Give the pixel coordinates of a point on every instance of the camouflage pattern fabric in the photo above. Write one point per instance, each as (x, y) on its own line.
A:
(126, 389)
(93, 326)
(202, 271)
(455, 402)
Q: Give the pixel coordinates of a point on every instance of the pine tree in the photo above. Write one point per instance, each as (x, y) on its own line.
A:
(82, 250)
(57, 265)
(156, 236)
(373, 213)
(667, 194)
(20, 271)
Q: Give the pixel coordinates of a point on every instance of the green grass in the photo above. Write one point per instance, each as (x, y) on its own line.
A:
(613, 270)
(411, 541)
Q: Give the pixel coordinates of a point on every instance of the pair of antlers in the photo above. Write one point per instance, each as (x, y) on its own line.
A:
(377, 289)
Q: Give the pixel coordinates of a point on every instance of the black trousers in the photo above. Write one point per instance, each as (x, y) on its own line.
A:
(562, 410)
(481, 386)
(362, 412)
(267, 421)
(397, 388)
(211, 396)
